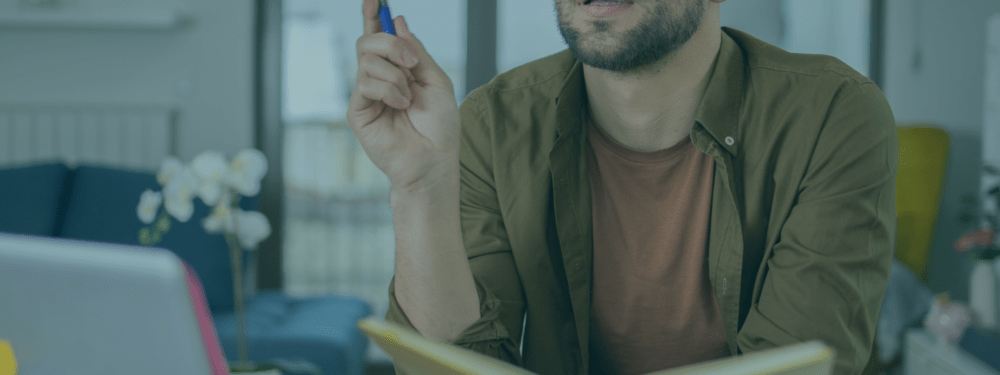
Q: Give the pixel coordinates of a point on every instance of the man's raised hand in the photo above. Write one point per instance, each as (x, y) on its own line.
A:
(403, 109)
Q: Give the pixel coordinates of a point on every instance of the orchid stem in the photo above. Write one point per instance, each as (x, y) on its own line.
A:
(236, 257)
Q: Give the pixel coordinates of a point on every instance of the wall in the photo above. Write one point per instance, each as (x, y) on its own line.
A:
(205, 69)
(526, 30)
(934, 72)
(837, 28)
(760, 18)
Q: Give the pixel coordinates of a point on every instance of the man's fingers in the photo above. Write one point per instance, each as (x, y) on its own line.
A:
(389, 47)
(427, 67)
(382, 91)
(403, 49)
(369, 9)
(380, 69)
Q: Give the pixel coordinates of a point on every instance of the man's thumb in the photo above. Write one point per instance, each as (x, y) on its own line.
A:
(426, 68)
(401, 26)
(403, 31)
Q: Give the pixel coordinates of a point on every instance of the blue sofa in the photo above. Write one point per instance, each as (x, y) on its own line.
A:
(97, 203)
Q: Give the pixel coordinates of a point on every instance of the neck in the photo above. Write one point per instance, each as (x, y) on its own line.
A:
(654, 108)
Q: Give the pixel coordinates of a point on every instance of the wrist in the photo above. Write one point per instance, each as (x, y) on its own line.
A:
(436, 188)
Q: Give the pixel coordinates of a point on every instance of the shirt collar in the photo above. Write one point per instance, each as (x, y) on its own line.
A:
(718, 111)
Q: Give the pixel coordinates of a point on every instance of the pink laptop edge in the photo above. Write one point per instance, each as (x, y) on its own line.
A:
(207, 327)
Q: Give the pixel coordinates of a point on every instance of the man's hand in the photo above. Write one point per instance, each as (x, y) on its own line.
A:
(403, 108)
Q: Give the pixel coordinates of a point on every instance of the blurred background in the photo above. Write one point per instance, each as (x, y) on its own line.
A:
(185, 76)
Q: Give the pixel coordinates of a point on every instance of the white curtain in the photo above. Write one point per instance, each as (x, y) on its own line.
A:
(339, 235)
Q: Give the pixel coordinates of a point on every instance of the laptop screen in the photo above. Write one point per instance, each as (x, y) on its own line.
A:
(73, 307)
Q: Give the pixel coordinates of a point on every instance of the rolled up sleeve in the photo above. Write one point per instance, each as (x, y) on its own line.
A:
(486, 335)
(829, 269)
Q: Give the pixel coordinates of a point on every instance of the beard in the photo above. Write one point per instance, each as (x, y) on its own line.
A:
(658, 34)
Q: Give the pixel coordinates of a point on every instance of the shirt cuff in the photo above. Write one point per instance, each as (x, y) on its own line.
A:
(487, 328)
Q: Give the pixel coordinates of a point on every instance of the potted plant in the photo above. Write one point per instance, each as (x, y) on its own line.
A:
(981, 245)
(219, 184)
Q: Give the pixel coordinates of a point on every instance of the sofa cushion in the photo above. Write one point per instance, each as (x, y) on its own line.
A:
(32, 198)
(320, 330)
(102, 207)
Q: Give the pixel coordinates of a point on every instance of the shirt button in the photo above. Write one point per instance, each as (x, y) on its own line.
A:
(730, 141)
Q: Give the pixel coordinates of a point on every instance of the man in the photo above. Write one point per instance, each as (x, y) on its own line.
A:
(664, 192)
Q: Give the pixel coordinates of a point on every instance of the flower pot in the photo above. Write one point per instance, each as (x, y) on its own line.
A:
(983, 293)
(253, 369)
(947, 320)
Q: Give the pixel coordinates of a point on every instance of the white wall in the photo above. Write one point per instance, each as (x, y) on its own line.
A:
(832, 27)
(945, 88)
(760, 18)
(527, 30)
(838, 28)
(204, 69)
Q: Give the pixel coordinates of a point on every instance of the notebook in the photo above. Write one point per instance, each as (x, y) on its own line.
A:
(417, 355)
(74, 307)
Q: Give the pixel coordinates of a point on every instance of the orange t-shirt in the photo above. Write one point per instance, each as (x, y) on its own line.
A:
(653, 307)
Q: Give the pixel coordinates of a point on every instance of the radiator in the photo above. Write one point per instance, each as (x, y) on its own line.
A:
(131, 136)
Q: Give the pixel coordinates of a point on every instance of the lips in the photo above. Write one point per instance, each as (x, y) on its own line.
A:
(588, 2)
(605, 8)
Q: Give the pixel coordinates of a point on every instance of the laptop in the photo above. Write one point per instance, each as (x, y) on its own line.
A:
(74, 307)
(417, 355)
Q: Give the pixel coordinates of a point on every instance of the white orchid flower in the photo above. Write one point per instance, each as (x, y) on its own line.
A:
(149, 205)
(222, 219)
(168, 169)
(179, 195)
(252, 228)
(246, 171)
(211, 169)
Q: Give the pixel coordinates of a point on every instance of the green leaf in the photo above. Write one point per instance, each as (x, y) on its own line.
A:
(966, 218)
(991, 170)
(145, 237)
(969, 199)
(987, 253)
(163, 224)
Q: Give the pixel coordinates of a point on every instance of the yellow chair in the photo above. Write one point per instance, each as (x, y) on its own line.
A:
(923, 156)
(8, 364)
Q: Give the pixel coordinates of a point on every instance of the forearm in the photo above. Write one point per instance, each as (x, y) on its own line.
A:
(434, 285)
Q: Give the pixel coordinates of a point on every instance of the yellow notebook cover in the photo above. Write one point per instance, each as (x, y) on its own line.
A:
(8, 365)
(417, 355)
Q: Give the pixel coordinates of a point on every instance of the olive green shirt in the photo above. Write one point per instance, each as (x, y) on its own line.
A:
(801, 233)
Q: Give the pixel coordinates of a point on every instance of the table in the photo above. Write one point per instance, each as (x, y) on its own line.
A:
(926, 355)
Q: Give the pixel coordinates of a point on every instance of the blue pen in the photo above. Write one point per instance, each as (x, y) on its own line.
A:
(386, 17)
